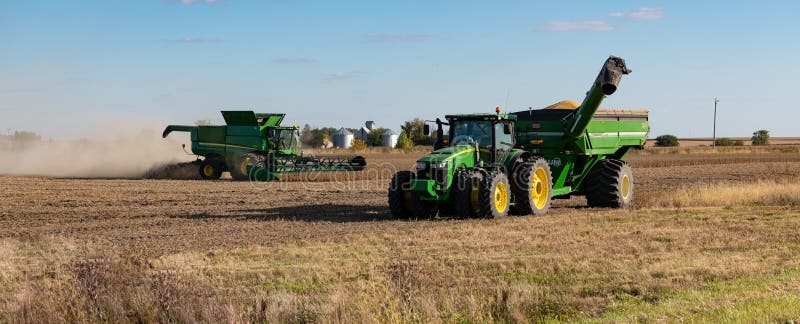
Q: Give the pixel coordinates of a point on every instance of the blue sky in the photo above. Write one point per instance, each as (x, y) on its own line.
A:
(338, 63)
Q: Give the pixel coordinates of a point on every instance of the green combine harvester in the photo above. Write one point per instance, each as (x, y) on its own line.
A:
(255, 146)
(491, 164)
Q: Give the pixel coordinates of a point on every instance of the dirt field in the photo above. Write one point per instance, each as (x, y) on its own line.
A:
(707, 141)
(313, 250)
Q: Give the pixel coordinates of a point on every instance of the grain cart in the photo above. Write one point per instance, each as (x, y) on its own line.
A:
(488, 165)
(255, 146)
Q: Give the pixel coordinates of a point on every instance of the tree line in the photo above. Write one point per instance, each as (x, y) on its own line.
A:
(760, 137)
(412, 133)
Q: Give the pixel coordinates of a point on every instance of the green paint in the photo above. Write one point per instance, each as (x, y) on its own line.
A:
(247, 133)
(572, 141)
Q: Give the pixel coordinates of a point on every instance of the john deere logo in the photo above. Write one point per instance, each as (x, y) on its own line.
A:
(555, 162)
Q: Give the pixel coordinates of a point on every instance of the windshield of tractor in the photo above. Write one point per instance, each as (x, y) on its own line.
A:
(470, 132)
(285, 139)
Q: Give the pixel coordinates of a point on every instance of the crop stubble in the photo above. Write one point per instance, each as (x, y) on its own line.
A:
(155, 217)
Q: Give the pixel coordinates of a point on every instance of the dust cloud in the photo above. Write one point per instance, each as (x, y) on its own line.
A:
(119, 154)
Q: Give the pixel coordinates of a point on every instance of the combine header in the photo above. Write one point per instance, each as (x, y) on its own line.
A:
(255, 146)
(492, 164)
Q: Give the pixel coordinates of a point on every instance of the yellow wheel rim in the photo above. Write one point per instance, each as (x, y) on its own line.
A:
(626, 186)
(474, 197)
(501, 196)
(208, 170)
(540, 188)
(243, 167)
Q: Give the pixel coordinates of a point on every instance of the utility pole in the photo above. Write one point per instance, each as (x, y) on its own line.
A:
(714, 140)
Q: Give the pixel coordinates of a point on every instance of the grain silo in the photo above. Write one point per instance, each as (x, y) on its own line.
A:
(390, 138)
(363, 134)
(342, 138)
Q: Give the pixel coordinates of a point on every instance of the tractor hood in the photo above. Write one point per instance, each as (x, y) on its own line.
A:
(446, 154)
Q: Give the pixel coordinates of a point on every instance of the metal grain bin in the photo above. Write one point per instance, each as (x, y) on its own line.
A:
(342, 138)
(390, 138)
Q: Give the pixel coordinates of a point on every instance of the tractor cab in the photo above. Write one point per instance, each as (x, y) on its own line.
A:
(284, 139)
(491, 134)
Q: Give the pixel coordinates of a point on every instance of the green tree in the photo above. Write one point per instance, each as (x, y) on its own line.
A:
(403, 142)
(723, 141)
(375, 137)
(667, 140)
(316, 137)
(415, 130)
(307, 135)
(761, 137)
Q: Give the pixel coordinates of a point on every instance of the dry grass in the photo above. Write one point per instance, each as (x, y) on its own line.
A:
(757, 193)
(223, 251)
(583, 265)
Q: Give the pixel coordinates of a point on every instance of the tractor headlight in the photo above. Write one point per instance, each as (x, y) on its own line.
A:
(442, 165)
(422, 165)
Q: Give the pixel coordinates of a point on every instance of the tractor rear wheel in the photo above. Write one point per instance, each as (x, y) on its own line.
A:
(400, 196)
(211, 168)
(609, 184)
(495, 196)
(533, 188)
(467, 194)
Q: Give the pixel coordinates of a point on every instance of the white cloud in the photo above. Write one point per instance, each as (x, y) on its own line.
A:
(643, 13)
(340, 76)
(587, 25)
(378, 37)
(292, 60)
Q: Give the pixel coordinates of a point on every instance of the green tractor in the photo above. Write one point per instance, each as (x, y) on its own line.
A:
(255, 146)
(490, 165)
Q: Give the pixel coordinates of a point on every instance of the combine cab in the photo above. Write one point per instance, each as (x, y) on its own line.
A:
(490, 165)
(255, 146)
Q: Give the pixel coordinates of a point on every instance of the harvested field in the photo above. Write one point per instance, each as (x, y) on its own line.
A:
(327, 250)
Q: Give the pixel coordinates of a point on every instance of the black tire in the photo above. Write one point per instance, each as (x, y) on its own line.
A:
(400, 197)
(495, 196)
(447, 208)
(358, 163)
(609, 184)
(466, 194)
(532, 188)
(423, 209)
(211, 168)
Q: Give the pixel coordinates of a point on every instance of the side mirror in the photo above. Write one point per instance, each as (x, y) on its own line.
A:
(426, 129)
(507, 129)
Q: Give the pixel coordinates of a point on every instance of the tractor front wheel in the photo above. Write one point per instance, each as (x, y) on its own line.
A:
(423, 209)
(533, 188)
(609, 184)
(466, 194)
(400, 196)
(495, 196)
